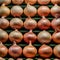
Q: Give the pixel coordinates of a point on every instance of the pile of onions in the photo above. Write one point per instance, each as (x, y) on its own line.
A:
(56, 24)
(15, 50)
(16, 11)
(55, 11)
(44, 37)
(29, 36)
(29, 51)
(4, 11)
(30, 11)
(30, 24)
(3, 50)
(44, 23)
(32, 2)
(15, 36)
(17, 1)
(45, 51)
(43, 2)
(4, 23)
(56, 51)
(3, 36)
(16, 23)
(43, 11)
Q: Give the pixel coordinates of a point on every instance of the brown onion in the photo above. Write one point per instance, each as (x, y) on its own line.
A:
(6, 2)
(2, 58)
(39, 59)
(44, 23)
(15, 50)
(44, 37)
(55, 1)
(16, 36)
(29, 59)
(43, 2)
(16, 23)
(30, 11)
(32, 2)
(3, 50)
(30, 23)
(56, 51)
(45, 51)
(43, 11)
(55, 11)
(29, 51)
(16, 11)
(56, 59)
(10, 59)
(56, 24)
(3, 36)
(4, 23)
(4, 11)
(19, 58)
(29, 36)
(17, 2)
(47, 59)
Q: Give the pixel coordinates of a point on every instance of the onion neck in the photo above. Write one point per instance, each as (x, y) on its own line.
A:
(14, 43)
(1, 44)
(30, 43)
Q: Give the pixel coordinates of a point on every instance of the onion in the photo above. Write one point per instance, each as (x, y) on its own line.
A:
(45, 51)
(3, 50)
(44, 23)
(56, 24)
(56, 51)
(30, 23)
(17, 2)
(4, 23)
(43, 2)
(47, 59)
(3, 36)
(29, 51)
(29, 59)
(6, 2)
(32, 2)
(29, 36)
(4, 11)
(30, 11)
(55, 11)
(16, 23)
(10, 59)
(15, 50)
(19, 59)
(56, 59)
(2, 58)
(16, 36)
(43, 11)
(16, 11)
(55, 1)
(44, 37)
(39, 59)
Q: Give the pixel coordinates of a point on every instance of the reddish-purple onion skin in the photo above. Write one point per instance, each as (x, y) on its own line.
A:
(15, 50)
(30, 36)
(44, 24)
(43, 11)
(45, 51)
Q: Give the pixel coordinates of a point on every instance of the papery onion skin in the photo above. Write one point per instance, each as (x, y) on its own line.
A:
(45, 51)
(43, 11)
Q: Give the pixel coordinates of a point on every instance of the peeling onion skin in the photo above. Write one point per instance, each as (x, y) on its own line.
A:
(3, 36)
(44, 37)
(18, 2)
(55, 1)
(30, 11)
(15, 36)
(30, 24)
(16, 23)
(4, 23)
(45, 51)
(31, 2)
(56, 25)
(55, 11)
(15, 50)
(43, 2)
(56, 51)
(3, 50)
(4, 11)
(29, 51)
(16, 11)
(44, 24)
(43, 11)
(30, 36)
